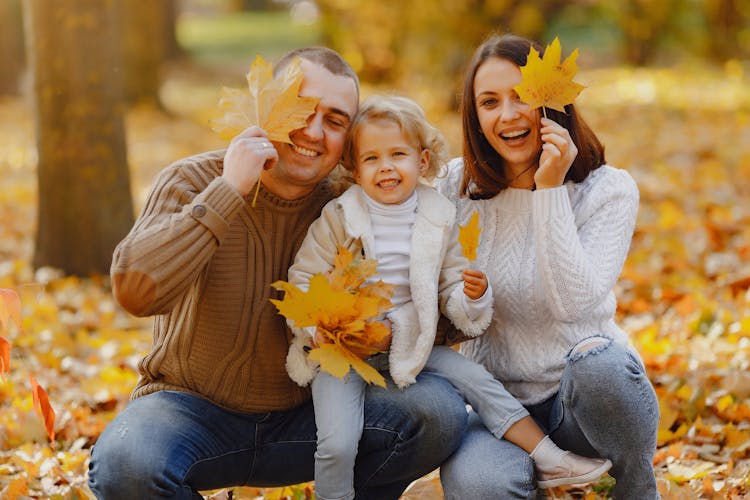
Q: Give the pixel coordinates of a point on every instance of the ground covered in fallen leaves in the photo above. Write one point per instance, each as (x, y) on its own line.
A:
(683, 133)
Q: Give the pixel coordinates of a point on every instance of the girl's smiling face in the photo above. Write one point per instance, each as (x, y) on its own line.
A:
(388, 164)
(508, 124)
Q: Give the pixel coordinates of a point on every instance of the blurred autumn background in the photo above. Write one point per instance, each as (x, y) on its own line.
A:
(97, 96)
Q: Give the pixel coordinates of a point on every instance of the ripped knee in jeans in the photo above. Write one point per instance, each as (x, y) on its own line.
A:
(590, 345)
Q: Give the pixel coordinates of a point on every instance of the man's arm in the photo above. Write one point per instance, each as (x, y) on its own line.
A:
(185, 218)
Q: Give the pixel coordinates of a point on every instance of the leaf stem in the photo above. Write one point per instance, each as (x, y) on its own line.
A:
(257, 189)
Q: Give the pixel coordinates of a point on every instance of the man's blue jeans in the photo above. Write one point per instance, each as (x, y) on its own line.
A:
(173, 444)
(606, 407)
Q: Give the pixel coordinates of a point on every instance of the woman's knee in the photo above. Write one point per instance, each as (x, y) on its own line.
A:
(485, 467)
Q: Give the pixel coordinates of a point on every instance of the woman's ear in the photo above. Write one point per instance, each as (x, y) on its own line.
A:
(424, 161)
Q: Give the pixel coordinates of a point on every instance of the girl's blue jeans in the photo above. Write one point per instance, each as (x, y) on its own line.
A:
(338, 413)
(606, 407)
(173, 444)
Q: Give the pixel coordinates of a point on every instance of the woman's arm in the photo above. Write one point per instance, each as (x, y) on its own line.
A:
(580, 256)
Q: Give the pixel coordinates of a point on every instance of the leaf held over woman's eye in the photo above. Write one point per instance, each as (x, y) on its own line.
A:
(547, 82)
(271, 103)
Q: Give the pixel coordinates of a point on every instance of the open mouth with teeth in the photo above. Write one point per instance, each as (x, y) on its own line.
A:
(515, 135)
(304, 151)
(389, 183)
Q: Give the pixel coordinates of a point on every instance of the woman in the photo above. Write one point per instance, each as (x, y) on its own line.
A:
(556, 226)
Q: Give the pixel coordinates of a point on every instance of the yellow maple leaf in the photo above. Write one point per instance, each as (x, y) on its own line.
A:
(343, 307)
(468, 237)
(546, 82)
(336, 360)
(271, 103)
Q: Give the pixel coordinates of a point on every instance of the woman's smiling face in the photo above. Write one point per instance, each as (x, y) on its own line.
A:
(508, 124)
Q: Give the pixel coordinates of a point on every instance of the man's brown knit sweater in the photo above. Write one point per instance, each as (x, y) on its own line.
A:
(202, 260)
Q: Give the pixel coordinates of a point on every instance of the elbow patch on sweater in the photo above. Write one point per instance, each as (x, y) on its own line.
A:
(133, 290)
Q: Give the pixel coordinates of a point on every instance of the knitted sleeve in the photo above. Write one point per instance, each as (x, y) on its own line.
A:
(581, 250)
(186, 214)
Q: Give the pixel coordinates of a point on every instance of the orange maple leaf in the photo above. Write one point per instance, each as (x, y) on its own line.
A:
(468, 237)
(547, 83)
(343, 307)
(271, 103)
(41, 403)
(10, 307)
(4, 357)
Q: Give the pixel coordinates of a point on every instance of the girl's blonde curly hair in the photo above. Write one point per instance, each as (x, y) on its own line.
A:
(410, 117)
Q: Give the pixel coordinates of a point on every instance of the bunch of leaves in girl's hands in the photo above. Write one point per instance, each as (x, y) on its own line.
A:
(272, 104)
(546, 82)
(468, 237)
(343, 308)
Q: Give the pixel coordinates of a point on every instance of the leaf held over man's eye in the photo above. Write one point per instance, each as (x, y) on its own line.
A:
(271, 103)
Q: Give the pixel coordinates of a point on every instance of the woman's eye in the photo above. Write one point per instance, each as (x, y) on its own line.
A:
(487, 102)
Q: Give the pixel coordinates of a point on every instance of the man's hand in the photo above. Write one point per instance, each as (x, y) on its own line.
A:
(248, 154)
(475, 283)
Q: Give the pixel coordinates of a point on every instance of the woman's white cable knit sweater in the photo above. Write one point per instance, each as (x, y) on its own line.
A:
(553, 257)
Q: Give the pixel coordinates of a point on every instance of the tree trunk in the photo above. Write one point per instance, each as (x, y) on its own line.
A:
(143, 49)
(11, 46)
(84, 205)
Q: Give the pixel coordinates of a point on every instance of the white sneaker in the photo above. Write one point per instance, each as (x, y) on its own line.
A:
(574, 469)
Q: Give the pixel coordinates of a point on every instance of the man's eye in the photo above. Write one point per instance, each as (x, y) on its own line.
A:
(336, 122)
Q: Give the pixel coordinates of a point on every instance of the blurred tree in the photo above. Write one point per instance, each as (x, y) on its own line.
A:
(729, 23)
(428, 40)
(11, 46)
(85, 205)
(148, 39)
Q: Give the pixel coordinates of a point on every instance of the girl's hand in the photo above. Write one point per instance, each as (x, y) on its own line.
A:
(558, 153)
(475, 283)
(249, 153)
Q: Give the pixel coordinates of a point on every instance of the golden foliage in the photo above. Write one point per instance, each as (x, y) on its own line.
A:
(343, 309)
(271, 103)
(546, 82)
(683, 296)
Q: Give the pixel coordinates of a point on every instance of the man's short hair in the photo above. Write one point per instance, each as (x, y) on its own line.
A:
(325, 57)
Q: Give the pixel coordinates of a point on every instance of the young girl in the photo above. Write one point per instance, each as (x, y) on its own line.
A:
(412, 232)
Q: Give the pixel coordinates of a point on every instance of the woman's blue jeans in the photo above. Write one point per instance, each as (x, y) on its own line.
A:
(606, 407)
(173, 444)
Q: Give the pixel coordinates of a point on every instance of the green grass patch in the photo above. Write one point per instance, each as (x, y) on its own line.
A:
(241, 36)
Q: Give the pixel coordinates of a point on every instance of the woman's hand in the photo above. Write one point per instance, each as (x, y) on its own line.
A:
(249, 153)
(558, 153)
(475, 283)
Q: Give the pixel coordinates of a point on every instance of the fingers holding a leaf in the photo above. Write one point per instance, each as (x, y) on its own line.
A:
(248, 154)
(558, 153)
(475, 283)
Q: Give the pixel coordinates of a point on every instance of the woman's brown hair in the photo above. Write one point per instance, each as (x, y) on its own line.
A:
(484, 174)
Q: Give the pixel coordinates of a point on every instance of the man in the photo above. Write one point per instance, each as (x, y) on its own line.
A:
(214, 406)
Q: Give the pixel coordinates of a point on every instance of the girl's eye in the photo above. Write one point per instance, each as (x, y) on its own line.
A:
(369, 158)
(488, 102)
(399, 153)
